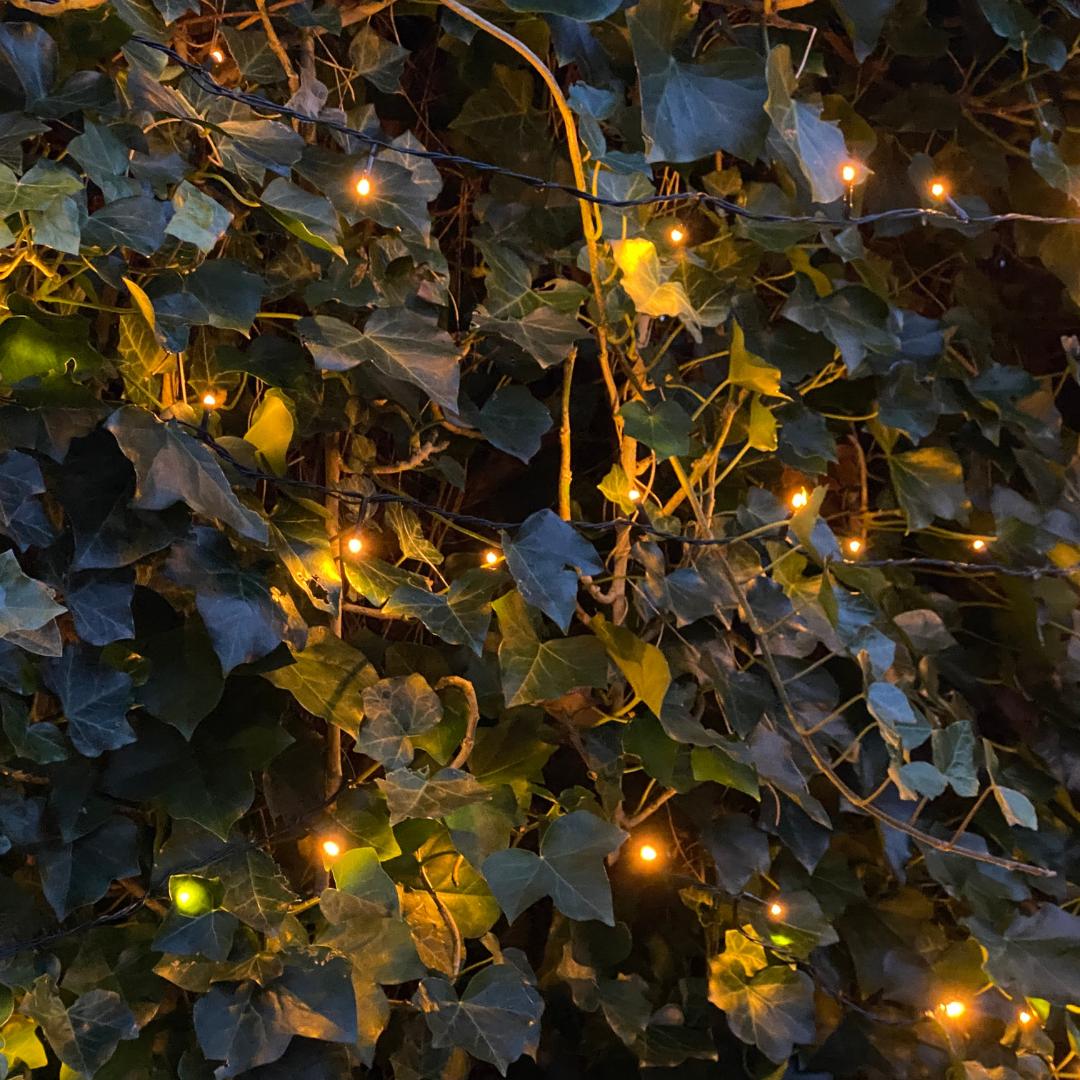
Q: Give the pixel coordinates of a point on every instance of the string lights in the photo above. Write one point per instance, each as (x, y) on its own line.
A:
(331, 849)
(978, 545)
(777, 910)
(1024, 1018)
(491, 558)
(648, 853)
(354, 545)
(854, 546)
(953, 1009)
(190, 895)
(676, 234)
(217, 56)
(634, 495)
(799, 499)
(211, 400)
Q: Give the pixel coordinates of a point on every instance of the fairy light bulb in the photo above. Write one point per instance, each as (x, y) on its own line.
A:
(331, 849)
(491, 557)
(978, 545)
(354, 545)
(190, 896)
(677, 235)
(210, 400)
(217, 56)
(953, 1010)
(634, 495)
(363, 186)
(854, 546)
(938, 189)
(1024, 1017)
(849, 172)
(648, 854)
(799, 499)
(776, 910)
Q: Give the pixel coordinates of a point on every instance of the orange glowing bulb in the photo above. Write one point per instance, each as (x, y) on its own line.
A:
(491, 558)
(648, 853)
(953, 1009)
(938, 189)
(355, 545)
(217, 56)
(799, 499)
(776, 910)
(363, 187)
(978, 545)
(677, 236)
(633, 494)
(331, 849)
(1024, 1017)
(854, 546)
(849, 172)
(210, 400)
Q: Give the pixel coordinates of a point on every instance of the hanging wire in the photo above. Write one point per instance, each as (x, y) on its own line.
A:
(206, 82)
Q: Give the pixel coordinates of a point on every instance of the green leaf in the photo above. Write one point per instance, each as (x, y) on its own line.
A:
(954, 756)
(399, 342)
(410, 535)
(25, 604)
(379, 61)
(496, 1020)
(326, 679)
(864, 20)
(929, 483)
(569, 869)
(137, 223)
(420, 795)
(95, 700)
(582, 10)
(80, 873)
(254, 889)
(513, 421)
(762, 428)
(1036, 955)
(814, 146)
(693, 110)
(901, 726)
(664, 428)
(376, 580)
(771, 1008)
(198, 219)
(209, 935)
(271, 429)
(535, 670)
(648, 286)
(308, 217)
(644, 665)
(545, 557)
(85, 1035)
(172, 467)
(394, 710)
(460, 616)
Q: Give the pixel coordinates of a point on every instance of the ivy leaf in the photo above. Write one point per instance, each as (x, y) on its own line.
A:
(460, 616)
(815, 146)
(137, 223)
(309, 217)
(929, 482)
(771, 1008)
(545, 557)
(22, 517)
(1036, 955)
(515, 422)
(646, 283)
(399, 342)
(254, 890)
(87, 1034)
(496, 1020)
(377, 581)
(394, 710)
(749, 370)
(535, 670)
(569, 869)
(100, 603)
(327, 678)
(80, 873)
(242, 619)
(197, 219)
(242, 1026)
(583, 10)
(172, 467)
(901, 726)
(644, 665)
(665, 428)
(95, 700)
(271, 429)
(25, 604)
(379, 61)
(28, 60)
(864, 20)
(690, 111)
(210, 935)
(954, 756)
(412, 794)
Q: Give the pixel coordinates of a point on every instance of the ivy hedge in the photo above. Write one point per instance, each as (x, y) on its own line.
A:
(539, 538)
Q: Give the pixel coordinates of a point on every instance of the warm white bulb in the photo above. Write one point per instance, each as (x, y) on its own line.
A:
(633, 494)
(849, 172)
(677, 235)
(1024, 1017)
(776, 909)
(363, 187)
(799, 499)
(978, 545)
(209, 400)
(491, 558)
(938, 190)
(648, 853)
(953, 1009)
(331, 849)
(854, 546)
(217, 56)
(355, 545)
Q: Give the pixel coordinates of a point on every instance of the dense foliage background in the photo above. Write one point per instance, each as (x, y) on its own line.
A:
(770, 771)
